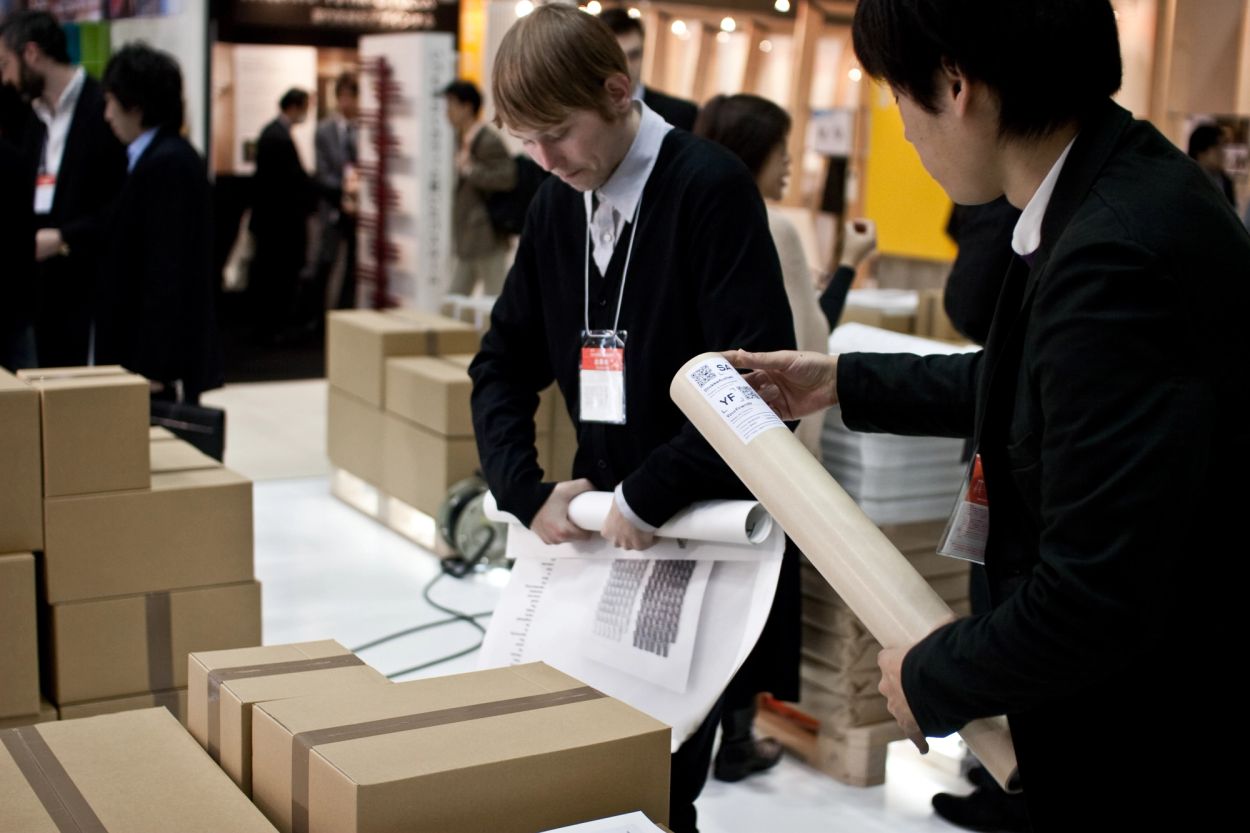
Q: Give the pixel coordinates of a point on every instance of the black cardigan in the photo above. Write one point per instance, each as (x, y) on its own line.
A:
(704, 276)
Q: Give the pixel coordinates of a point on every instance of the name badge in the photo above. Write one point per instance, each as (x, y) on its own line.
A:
(601, 379)
(969, 526)
(45, 191)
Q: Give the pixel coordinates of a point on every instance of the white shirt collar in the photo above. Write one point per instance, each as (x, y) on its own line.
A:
(68, 100)
(639, 91)
(624, 188)
(1027, 237)
(135, 149)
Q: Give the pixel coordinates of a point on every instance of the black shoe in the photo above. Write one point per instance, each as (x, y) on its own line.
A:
(740, 759)
(984, 810)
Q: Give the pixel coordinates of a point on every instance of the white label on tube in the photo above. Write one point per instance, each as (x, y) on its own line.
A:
(729, 394)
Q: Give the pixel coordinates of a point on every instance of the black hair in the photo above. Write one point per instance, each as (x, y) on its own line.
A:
(1049, 62)
(748, 125)
(140, 76)
(1204, 137)
(619, 21)
(346, 81)
(39, 28)
(465, 92)
(294, 97)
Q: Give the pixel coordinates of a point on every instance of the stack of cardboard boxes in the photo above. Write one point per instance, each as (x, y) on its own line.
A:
(21, 534)
(399, 417)
(143, 545)
(839, 673)
(915, 312)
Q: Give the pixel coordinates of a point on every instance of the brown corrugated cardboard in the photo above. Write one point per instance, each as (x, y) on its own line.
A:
(191, 529)
(447, 335)
(417, 756)
(19, 658)
(431, 393)
(131, 644)
(225, 684)
(178, 455)
(354, 436)
(174, 700)
(358, 343)
(46, 713)
(21, 485)
(138, 771)
(419, 466)
(95, 429)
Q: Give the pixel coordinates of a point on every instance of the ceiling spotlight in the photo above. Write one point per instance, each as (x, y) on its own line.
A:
(524, 7)
(594, 7)
(766, 46)
(679, 28)
(635, 13)
(856, 74)
(782, 6)
(728, 24)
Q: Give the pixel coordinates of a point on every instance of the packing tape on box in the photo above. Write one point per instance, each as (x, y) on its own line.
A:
(160, 642)
(272, 669)
(303, 742)
(55, 790)
(868, 572)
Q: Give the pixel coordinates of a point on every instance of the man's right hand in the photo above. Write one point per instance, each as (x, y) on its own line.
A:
(793, 383)
(552, 523)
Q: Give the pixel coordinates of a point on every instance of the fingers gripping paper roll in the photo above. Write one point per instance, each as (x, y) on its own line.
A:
(894, 602)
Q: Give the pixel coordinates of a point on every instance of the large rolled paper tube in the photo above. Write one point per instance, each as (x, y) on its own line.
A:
(721, 521)
(893, 601)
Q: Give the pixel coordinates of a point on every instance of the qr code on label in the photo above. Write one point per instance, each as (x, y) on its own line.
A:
(703, 376)
(748, 392)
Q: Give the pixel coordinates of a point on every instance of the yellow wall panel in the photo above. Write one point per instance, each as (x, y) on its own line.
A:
(908, 205)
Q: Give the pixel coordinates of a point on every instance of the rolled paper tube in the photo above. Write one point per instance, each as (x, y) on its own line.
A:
(893, 601)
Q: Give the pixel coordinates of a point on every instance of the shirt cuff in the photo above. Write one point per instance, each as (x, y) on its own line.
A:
(622, 506)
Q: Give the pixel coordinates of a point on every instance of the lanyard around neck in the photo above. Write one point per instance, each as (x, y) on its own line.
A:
(633, 233)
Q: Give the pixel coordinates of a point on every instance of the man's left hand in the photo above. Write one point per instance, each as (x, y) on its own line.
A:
(48, 243)
(623, 534)
(891, 662)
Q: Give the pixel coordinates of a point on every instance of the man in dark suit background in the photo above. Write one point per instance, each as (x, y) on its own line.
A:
(335, 143)
(629, 34)
(80, 167)
(17, 227)
(159, 319)
(282, 199)
(1108, 410)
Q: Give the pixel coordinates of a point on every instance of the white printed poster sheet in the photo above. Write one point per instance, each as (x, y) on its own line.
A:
(663, 630)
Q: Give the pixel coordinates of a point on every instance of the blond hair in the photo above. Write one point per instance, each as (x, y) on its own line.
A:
(552, 62)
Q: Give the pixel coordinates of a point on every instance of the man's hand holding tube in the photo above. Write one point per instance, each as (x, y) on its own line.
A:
(794, 383)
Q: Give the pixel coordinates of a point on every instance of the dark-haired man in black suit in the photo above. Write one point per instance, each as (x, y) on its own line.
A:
(80, 167)
(1108, 410)
(629, 34)
(158, 320)
(282, 198)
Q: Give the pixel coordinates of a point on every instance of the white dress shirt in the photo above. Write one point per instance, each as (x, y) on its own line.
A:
(1027, 236)
(58, 121)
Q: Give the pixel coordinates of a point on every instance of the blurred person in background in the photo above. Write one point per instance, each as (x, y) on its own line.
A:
(157, 317)
(80, 166)
(338, 186)
(1206, 147)
(630, 35)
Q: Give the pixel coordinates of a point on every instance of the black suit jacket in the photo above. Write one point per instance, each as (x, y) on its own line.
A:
(676, 111)
(17, 234)
(282, 190)
(160, 319)
(1109, 406)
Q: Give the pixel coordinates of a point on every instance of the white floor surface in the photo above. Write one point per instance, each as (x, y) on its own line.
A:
(329, 571)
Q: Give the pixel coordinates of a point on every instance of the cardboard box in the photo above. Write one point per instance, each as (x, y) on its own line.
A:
(172, 700)
(420, 466)
(447, 335)
(128, 645)
(191, 529)
(178, 455)
(95, 429)
(138, 772)
(46, 713)
(354, 436)
(358, 343)
(886, 320)
(19, 659)
(509, 750)
(224, 685)
(431, 393)
(21, 486)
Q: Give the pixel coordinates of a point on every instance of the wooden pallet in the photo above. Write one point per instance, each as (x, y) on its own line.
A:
(853, 756)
